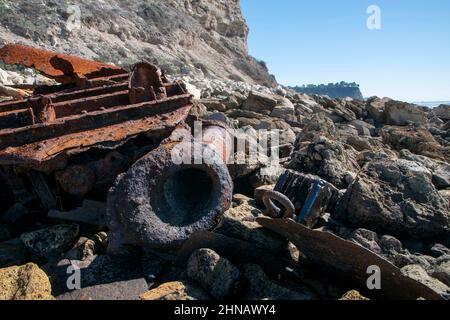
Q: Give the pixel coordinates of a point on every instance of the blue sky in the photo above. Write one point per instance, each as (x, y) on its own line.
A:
(322, 41)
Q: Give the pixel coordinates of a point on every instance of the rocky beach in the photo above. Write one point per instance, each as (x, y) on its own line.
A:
(366, 182)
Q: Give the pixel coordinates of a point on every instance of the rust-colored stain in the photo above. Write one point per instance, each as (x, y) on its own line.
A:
(63, 68)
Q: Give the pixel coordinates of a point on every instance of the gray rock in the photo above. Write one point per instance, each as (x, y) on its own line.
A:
(376, 109)
(215, 274)
(213, 104)
(437, 250)
(396, 197)
(364, 128)
(260, 103)
(442, 111)
(260, 287)
(284, 109)
(327, 158)
(367, 239)
(239, 222)
(405, 259)
(417, 273)
(403, 113)
(317, 125)
(442, 269)
(390, 245)
(439, 169)
(50, 242)
(266, 175)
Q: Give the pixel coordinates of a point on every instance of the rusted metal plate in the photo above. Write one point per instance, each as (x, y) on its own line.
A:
(58, 66)
(348, 260)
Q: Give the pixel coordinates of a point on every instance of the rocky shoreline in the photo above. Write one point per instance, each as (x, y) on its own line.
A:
(388, 162)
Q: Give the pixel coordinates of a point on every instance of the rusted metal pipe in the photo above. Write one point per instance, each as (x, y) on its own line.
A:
(160, 202)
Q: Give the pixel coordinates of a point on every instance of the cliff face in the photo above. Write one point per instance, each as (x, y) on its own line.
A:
(181, 36)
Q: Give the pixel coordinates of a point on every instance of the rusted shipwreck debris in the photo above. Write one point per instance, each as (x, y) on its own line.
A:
(63, 68)
(71, 141)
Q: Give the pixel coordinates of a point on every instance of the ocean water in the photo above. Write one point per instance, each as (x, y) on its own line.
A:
(431, 104)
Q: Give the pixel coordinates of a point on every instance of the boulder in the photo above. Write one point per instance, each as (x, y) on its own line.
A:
(417, 140)
(398, 197)
(437, 250)
(316, 125)
(266, 175)
(213, 104)
(327, 158)
(363, 128)
(376, 109)
(403, 113)
(417, 273)
(197, 93)
(175, 290)
(214, 273)
(26, 282)
(442, 111)
(439, 169)
(283, 109)
(260, 103)
(367, 239)
(260, 287)
(52, 242)
(442, 269)
(239, 222)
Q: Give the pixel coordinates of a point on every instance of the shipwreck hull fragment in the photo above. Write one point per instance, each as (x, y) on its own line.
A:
(348, 260)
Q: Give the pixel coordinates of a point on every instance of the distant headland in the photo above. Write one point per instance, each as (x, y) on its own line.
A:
(333, 90)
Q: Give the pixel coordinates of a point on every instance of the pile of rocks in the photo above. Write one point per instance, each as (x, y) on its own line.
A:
(12, 78)
(388, 159)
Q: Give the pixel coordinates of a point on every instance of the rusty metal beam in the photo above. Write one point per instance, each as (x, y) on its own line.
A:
(62, 68)
(349, 260)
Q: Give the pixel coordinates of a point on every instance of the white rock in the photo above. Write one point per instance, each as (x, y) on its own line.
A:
(197, 93)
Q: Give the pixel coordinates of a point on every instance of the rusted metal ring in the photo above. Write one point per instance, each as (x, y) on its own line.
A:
(272, 210)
